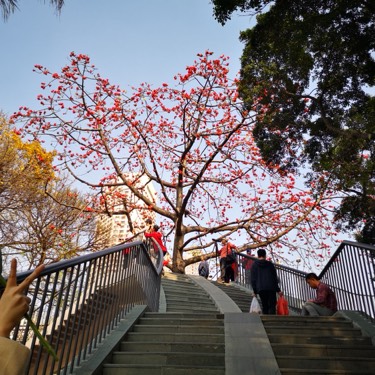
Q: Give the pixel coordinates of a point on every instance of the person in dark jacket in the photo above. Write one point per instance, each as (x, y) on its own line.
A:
(204, 268)
(265, 283)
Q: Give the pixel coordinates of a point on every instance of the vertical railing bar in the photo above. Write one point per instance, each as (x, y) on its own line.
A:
(104, 302)
(366, 264)
(118, 290)
(84, 312)
(80, 314)
(97, 305)
(360, 281)
(348, 299)
(47, 318)
(38, 322)
(73, 308)
(64, 293)
(113, 305)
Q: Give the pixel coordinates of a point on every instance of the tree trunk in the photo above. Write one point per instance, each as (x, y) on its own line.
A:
(178, 263)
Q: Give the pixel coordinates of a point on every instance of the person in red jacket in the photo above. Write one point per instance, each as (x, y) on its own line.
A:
(228, 266)
(157, 236)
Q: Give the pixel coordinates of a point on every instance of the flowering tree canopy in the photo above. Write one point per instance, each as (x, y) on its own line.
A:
(33, 226)
(193, 142)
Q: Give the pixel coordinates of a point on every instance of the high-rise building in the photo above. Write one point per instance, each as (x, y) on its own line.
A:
(127, 214)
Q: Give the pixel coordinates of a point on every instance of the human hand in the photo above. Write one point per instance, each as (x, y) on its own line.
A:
(14, 304)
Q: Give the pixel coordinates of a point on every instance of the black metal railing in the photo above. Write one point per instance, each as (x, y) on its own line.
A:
(77, 303)
(350, 272)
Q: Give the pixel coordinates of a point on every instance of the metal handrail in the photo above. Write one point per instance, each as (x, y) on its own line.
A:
(76, 303)
(350, 273)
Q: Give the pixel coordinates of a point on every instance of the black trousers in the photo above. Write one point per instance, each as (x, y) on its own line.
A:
(268, 299)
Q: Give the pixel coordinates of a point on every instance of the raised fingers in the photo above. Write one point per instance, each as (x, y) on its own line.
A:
(12, 279)
(29, 279)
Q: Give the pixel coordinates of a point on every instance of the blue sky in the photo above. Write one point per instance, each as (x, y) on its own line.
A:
(129, 41)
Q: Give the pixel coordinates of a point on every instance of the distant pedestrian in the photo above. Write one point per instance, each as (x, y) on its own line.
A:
(227, 258)
(265, 282)
(325, 303)
(204, 269)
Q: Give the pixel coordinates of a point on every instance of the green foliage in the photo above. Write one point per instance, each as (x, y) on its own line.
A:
(308, 70)
(9, 6)
(224, 8)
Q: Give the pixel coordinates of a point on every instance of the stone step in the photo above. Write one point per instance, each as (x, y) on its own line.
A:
(317, 339)
(183, 295)
(120, 369)
(169, 358)
(313, 331)
(184, 347)
(188, 307)
(180, 309)
(176, 308)
(301, 320)
(175, 290)
(174, 337)
(173, 285)
(335, 363)
(240, 297)
(190, 302)
(179, 329)
(177, 321)
(294, 371)
(303, 323)
(215, 316)
(315, 350)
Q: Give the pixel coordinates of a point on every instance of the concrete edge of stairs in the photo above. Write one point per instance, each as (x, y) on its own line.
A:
(367, 328)
(162, 300)
(247, 347)
(223, 302)
(94, 362)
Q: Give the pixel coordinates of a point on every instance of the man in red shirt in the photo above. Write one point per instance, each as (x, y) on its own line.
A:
(226, 269)
(324, 304)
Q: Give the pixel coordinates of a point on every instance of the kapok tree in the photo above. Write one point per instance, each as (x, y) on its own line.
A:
(193, 142)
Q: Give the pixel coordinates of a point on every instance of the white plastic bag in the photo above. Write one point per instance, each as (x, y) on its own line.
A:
(255, 307)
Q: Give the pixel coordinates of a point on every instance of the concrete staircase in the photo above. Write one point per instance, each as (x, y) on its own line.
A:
(187, 338)
(200, 329)
(241, 297)
(321, 345)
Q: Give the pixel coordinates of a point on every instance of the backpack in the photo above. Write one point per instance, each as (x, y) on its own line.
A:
(231, 257)
(202, 271)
